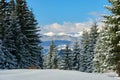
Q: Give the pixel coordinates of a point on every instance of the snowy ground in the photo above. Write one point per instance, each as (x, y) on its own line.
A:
(52, 75)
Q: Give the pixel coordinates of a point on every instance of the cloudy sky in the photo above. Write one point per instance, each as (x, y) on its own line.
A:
(67, 16)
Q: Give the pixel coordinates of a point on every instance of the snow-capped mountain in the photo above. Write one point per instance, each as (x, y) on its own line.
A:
(59, 43)
(60, 39)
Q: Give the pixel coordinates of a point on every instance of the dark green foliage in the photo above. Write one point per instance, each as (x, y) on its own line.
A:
(84, 51)
(102, 51)
(51, 61)
(87, 50)
(19, 34)
(92, 42)
(7, 61)
(30, 34)
(113, 22)
(76, 56)
(65, 60)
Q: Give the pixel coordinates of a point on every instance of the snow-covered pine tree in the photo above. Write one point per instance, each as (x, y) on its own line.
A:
(67, 58)
(9, 41)
(92, 41)
(51, 58)
(102, 51)
(2, 57)
(3, 11)
(61, 59)
(45, 61)
(8, 60)
(12, 6)
(76, 56)
(113, 21)
(19, 50)
(29, 30)
(23, 54)
(84, 51)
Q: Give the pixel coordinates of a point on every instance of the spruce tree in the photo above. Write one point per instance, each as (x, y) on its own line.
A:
(9, 61)
(19, 36)
(92, 42)
(3, 5)
(33, 36)
(84, 51)
(14, 39)
(18, 43)
(76, 56)
(9, 41)
(12, 6)
(113, 22)
(68, 54)
(66, 63)
(3, 11)
(30, 36)
(102, 51)
(61, 59)
(87, 49)
(51, 58)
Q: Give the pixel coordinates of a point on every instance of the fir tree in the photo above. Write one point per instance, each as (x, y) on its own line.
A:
(87, 50)
(34, 39)
(84, 51)
(12, 6)
(68, 55)
(66, 59)
(30, 36)
(92, 41)
(9, 61)
(76, 56)
(51, 59)
(9, 38)
(102, 51)
(14, 39)
(113, 22)
(61, 59)
(3, 11)
(19, 36)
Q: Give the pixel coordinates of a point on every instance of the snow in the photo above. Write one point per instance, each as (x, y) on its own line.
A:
(24, 74)
(116, 17)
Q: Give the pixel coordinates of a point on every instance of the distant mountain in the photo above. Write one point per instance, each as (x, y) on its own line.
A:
(60, 40)
(59, 43)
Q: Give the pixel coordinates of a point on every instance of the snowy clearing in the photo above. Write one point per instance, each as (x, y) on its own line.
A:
(51, 75)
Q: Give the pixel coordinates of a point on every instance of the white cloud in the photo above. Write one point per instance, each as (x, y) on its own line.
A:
(67, 28)
(62, 33)
(49, 34)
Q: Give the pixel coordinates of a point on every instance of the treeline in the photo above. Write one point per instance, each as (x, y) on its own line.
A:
(19, 38)
(79, 57)
(99, 50)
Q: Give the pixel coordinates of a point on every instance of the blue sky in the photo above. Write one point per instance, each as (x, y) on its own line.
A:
(60, 11)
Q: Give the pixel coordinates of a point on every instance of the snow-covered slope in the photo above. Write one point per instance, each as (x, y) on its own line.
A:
(50, 75)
